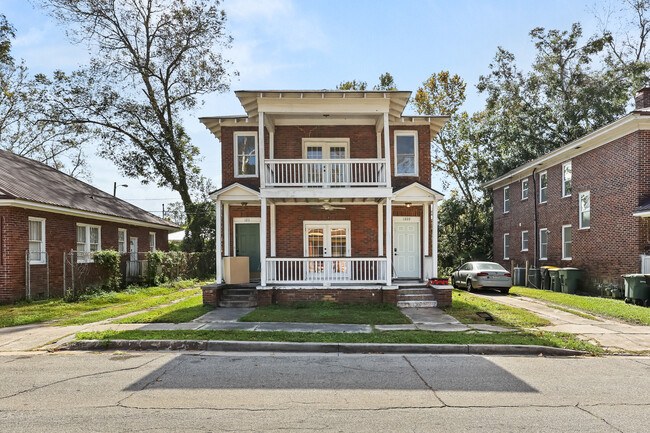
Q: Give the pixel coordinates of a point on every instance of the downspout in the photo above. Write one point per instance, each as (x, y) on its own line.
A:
(535, 218)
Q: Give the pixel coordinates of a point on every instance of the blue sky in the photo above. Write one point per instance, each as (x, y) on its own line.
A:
(315, 44)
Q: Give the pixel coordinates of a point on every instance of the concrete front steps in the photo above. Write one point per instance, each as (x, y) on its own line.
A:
(238, 298)
(415, 296)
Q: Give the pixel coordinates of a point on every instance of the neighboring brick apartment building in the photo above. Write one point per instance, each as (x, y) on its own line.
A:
(44, 213)
(317, 194)
(592, 198)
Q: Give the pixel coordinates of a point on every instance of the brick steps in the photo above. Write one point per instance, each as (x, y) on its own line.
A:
(238, 298)
(415, 296)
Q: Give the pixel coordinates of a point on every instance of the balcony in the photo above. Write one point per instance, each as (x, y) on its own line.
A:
(324, 173)
(325, 270)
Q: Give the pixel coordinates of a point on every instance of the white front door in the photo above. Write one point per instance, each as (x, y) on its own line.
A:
(406, 253)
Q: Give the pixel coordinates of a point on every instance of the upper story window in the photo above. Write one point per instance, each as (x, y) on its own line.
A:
(245, 154)
(543, 187)
(585, 210)
(524, 189)
(121, 241)
(36, 241)
(506, 199)
(406, 153)
(152, 241)
(566, 179)
(88, 242)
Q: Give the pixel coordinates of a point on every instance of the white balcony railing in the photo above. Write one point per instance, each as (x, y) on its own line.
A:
(326, 270)
(325, 172)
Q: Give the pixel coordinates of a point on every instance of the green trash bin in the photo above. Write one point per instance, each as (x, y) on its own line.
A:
(636, 289)
(554, 274)
(569, 278)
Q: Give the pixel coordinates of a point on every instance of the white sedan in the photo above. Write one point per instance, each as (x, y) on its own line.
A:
(478, 275)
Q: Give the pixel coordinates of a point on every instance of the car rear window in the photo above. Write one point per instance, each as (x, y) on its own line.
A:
(491, 267)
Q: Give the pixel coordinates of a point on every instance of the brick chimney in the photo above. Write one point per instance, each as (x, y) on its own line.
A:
(642, 98)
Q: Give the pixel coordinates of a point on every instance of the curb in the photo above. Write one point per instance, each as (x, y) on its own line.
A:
(272, 346)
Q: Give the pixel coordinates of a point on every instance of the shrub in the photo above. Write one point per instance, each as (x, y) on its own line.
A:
(109, 262)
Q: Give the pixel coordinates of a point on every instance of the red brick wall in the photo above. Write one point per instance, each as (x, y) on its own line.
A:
(616, 175)
(60, 236)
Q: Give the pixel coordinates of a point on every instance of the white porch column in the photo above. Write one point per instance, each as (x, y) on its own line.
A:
(218, 246)
(260, 139)
(263, 242)
(389, 237)
(380, 230)
(272, 209)
(434, 238)
(387, 156)
(271, 145)
(226, 230)
(425, 236)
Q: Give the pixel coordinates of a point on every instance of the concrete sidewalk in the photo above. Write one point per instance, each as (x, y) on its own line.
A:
(610, 333)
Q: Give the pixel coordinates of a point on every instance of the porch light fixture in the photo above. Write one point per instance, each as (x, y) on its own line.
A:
(408, 204)
(244, 204)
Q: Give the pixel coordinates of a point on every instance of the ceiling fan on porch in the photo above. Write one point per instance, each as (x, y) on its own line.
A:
(328, 206)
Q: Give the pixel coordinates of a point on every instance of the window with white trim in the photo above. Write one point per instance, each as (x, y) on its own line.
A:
(506, 246)
(406, 153)
(524, 189)
(88, 242)
(585, 209)
(152, 241)
(506, 199)
(543, 187)
(567, 242)
(245, 151)
(543, 244)
(121, 241)
(524, 240)
(566, 179)
(36, 241)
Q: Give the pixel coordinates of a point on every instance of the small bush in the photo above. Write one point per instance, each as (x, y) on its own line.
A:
(109, 262)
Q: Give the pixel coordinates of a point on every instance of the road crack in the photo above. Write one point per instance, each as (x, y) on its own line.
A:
(424, 381)
(598, 417)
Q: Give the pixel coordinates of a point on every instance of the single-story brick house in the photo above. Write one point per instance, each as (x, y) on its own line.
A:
(44, 213)
(584, 205)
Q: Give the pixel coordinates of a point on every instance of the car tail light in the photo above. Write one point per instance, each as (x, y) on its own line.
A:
(482, 274)
(507, 275)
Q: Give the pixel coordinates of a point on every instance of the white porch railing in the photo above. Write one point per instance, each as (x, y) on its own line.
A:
(326, 270)
(325, 172)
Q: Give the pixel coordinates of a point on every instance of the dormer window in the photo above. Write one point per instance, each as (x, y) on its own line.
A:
(245, 154)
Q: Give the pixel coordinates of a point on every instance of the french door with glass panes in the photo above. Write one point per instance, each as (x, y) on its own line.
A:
(327, 239)
(327, 173)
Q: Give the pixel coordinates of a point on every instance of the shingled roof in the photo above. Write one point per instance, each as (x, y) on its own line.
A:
(25, 179)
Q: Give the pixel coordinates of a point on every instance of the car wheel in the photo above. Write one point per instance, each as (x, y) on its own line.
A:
(453, 283)
(469, 286)
(505, 291)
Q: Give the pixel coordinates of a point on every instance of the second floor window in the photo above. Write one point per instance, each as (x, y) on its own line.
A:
(566, 179)
(585, 210)
(506, 199)
(245, 154)
(406, 153)
(524, 189)
(543, 187)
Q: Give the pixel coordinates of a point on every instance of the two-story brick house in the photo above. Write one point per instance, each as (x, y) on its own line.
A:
(583, 205)
(327, 192)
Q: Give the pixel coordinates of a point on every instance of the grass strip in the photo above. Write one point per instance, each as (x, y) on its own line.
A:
(464, 307)
(119, 310)
(26, 312)
(180, 312)
(577, 313)
(615, 308)
(551, 339)
(328, 312)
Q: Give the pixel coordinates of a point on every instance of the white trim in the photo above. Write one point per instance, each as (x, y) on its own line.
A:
(241, 220)
(219, 268)
(236, 153)
(226, 230)
(273, 229)
(565, 164)
(540, 244)
(527, 189)
(425, 230)
(380, 230)
(580, 210)
(325, 225)
(326, 142)
(506, 256)
(506, 188)
(87, 251)
(75, 212)
(42, 260)
(416, 145)
(126, 240)
(543, 173)
(389, 239)
(154, 242)
(564, 256)
(522, 240)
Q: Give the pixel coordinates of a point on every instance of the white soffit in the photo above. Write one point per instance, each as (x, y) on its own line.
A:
(235, 192)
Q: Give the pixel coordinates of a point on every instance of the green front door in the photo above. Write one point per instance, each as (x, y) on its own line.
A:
(247, 244)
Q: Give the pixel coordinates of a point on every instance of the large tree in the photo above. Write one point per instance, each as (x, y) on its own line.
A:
(151, 62)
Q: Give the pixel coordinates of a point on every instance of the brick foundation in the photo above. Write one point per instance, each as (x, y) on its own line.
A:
(442, 295)
(343, 296)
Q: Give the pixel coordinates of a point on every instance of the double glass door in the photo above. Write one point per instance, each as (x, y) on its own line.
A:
(325, 240)
(326, 173)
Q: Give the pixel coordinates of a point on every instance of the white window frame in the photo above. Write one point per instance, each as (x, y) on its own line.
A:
(86, 255)
(416, 145)
(524, 189)
(545, 256)
(506, 246)
(237, 134)
(522, 240)
(581, 210)
(545, 189)
(327, 143)
(564, 180)
(506, 202)
(126, 241)
(564, 256)
(152, 235)
(41, 260)
(326, 225)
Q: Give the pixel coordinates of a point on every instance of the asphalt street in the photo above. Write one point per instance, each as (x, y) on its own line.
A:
(77, 391)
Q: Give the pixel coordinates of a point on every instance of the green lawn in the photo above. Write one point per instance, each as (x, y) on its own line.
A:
(567, 341)
(465, 306)
(24, 313)
(601, 306)
(180, 312)
(328, 312)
